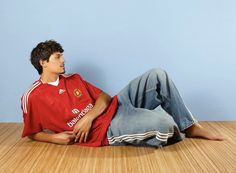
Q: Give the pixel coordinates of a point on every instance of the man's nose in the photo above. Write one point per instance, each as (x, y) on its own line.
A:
(63, 59)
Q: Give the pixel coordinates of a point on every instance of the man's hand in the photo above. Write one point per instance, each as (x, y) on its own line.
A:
(81, 129)
(64, 138)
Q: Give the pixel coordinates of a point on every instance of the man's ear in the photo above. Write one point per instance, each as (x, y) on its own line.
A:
(42, 63)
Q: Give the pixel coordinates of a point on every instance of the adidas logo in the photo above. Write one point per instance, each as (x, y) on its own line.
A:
(61, 91)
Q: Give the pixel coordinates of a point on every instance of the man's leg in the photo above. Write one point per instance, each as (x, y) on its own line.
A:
(143, 127)
(155, 88)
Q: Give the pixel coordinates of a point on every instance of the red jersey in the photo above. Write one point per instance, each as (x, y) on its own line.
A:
(59, 108)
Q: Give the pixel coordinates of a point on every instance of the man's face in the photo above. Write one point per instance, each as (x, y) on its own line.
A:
(55, 65)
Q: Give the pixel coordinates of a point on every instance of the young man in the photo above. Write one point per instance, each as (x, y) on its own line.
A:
(65, 109)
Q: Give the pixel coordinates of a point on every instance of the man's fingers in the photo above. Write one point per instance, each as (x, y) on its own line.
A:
(71, 137)
(75, 132)
(77, 136)
(69, 132)
(85, 137)
(81, 137)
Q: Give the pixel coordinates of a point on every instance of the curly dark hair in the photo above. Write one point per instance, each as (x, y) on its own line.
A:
(43, 51)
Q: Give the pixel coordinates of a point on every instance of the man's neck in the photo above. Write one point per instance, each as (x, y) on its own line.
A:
(49, 78)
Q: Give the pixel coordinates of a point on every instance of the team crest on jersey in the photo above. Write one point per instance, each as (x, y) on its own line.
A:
(77, 93)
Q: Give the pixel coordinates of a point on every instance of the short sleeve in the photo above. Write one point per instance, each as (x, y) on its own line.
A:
(32, 123)
(93, 90)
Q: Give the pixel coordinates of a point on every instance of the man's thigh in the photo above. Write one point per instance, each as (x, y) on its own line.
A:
(140, 126)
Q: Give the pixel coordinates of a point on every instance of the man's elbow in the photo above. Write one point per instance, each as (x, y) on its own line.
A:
(107, 98)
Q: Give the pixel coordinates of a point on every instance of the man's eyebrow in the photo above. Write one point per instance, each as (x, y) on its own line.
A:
(59, 54)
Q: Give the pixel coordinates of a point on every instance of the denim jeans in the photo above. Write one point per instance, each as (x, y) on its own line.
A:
(150, 112)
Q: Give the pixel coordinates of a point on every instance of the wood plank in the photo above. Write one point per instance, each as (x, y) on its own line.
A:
(190, 155)
(9, 136)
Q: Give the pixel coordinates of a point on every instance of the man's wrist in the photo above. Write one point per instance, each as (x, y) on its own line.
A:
(90, 116)
(52, 138)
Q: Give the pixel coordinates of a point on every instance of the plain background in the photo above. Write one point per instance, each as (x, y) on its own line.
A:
(110, 42)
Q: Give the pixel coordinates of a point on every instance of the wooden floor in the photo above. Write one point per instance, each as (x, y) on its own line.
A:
(191, 155)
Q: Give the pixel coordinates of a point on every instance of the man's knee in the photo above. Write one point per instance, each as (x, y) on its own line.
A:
(157, 73)
(164, 123)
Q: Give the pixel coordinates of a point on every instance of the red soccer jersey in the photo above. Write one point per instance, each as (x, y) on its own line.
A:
(59, 108)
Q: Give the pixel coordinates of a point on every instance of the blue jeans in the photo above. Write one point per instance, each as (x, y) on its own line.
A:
(150, 112)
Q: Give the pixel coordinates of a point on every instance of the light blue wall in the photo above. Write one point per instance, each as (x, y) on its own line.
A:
(111, 42)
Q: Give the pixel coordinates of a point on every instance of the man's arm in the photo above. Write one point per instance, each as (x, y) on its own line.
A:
(81, 129)
(63, 138)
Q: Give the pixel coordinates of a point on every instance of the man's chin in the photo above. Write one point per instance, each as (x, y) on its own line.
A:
(63, 72)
